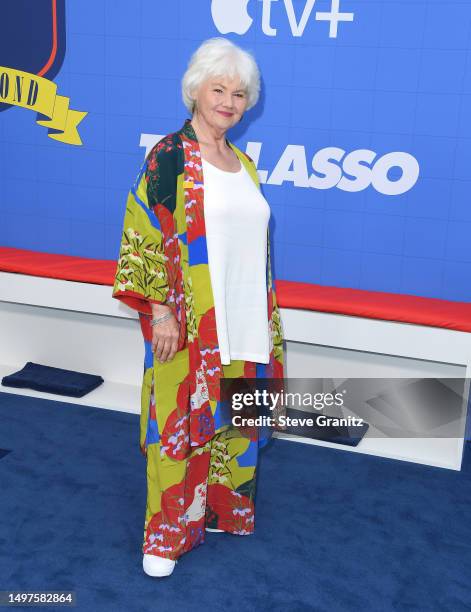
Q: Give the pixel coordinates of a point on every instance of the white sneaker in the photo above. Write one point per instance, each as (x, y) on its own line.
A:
(157, 566)
(211, 529)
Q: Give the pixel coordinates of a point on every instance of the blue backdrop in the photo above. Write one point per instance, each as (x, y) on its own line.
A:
(362, 134)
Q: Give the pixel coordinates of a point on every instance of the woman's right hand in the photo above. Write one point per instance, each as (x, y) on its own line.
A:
(164, 335)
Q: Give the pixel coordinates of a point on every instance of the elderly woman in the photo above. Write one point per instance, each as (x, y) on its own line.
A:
(195, 263)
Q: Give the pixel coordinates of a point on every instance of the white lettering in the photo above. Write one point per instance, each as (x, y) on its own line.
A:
(332, 167)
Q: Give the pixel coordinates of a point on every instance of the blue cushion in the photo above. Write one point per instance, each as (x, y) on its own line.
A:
(53, 380)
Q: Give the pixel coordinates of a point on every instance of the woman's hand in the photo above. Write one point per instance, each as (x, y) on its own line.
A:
(164, 335)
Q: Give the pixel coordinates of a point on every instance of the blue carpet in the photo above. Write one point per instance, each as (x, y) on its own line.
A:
(333, 530)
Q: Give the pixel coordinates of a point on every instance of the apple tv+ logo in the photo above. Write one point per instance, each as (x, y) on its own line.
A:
(233, 16)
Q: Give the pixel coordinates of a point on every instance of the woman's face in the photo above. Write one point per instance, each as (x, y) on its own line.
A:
(221, 101)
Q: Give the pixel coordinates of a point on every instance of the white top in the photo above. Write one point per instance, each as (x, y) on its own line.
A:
(236, 218)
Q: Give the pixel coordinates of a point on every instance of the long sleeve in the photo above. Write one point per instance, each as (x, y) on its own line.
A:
(142, 275)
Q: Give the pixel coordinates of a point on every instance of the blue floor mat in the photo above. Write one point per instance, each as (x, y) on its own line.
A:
(335, 531)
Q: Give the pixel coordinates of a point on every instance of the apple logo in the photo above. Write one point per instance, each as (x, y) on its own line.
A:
(231, 16)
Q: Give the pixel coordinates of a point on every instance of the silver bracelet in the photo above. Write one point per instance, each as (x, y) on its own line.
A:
(161, 318)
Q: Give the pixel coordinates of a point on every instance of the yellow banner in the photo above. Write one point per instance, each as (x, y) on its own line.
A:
(39, 94)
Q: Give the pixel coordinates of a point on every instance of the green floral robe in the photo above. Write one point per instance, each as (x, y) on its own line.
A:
(163, 259)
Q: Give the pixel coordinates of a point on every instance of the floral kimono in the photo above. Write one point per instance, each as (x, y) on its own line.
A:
(163, 259)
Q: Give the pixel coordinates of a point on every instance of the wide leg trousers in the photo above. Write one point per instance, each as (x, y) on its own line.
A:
(213, 487)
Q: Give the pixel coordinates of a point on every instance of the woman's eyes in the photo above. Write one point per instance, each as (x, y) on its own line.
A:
(240, 95)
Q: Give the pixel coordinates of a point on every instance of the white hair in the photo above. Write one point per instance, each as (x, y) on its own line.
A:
(219, 56)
